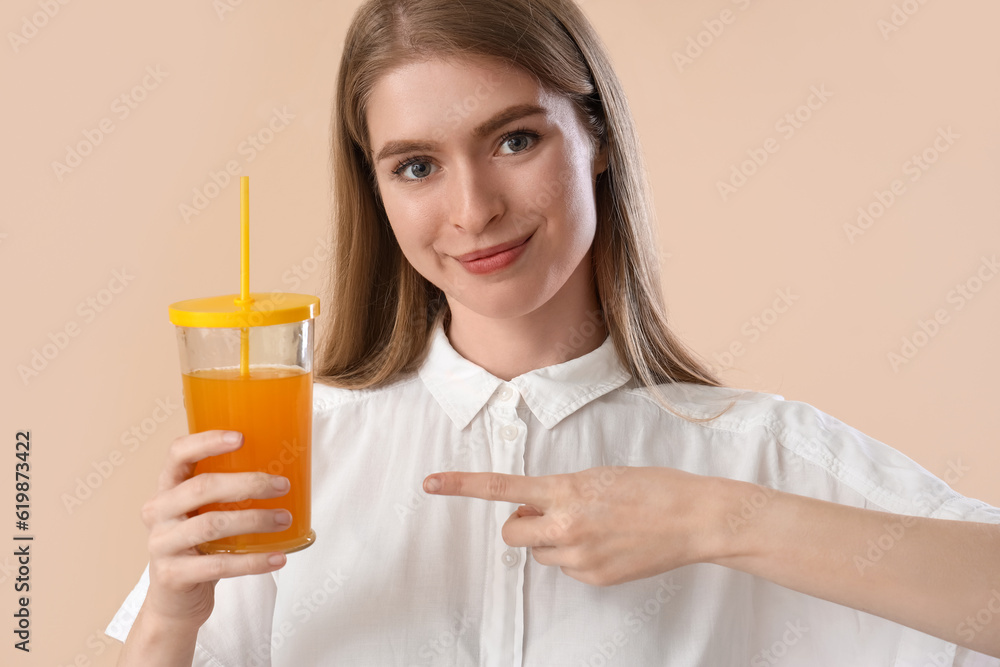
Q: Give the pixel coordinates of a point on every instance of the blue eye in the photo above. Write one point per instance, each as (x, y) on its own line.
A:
(419, 168)
(422, 168)
(519, 140)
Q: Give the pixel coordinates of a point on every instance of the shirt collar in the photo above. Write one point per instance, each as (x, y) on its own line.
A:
(551, 393)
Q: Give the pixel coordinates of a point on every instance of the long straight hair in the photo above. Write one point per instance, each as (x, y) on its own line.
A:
(380, 312)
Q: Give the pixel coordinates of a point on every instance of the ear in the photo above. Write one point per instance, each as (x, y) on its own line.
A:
(601, 159)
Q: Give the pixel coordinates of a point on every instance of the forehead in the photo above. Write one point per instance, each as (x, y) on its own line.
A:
(438, 98)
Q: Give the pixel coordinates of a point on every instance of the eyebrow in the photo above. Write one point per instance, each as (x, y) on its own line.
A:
(508, 115)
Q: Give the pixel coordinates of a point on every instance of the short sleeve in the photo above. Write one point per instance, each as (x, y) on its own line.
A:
(967, 658)
(238, 629)
(890, 481)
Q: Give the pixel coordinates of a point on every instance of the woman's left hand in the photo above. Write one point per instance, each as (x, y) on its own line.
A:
(607, 525)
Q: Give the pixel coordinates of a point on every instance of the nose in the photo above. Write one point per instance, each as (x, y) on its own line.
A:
(475, 196)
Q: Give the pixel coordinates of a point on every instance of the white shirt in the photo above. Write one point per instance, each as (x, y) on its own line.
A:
(400, 577)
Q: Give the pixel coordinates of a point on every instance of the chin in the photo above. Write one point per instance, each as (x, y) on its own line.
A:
(499, 306)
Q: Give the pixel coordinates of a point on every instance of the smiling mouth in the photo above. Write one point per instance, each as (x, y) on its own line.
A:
(495, 250)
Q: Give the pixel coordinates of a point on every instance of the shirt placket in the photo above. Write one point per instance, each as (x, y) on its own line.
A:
(503, 613)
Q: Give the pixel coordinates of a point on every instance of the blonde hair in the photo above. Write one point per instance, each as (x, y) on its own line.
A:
(380, 312)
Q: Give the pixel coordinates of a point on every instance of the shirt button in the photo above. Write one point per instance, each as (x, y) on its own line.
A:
(509, 432)
(505, 393)
(510, 558)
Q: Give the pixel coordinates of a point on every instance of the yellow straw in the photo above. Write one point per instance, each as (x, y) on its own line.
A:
(245, 272)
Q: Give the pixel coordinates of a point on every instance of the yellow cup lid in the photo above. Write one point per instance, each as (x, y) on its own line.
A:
(262, 309)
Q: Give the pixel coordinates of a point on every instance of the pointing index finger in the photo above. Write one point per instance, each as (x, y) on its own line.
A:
(490, 486)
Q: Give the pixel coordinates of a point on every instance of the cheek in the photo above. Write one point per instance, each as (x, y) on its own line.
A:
(580, 202)
(412, 223)
(563, 192)
(538, 192)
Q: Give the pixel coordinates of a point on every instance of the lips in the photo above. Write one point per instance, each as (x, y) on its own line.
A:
(486, 252)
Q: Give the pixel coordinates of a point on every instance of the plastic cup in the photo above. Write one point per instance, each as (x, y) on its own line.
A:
(248, 368)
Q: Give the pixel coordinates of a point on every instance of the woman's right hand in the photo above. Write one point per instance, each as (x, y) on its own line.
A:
(182, 579)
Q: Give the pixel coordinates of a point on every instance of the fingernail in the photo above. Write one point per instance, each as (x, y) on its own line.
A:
(231, 437)
(281, 483)
(432, 485)
(276, 559)
(282, 517)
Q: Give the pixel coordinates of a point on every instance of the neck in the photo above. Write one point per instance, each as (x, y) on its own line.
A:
(568, 326)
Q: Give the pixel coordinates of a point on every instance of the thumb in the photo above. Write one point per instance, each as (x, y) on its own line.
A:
(528, 510)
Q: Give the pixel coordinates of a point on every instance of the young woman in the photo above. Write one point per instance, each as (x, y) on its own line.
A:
(498, 336)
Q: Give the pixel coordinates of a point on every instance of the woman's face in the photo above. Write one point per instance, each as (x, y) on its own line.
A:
(469, 155)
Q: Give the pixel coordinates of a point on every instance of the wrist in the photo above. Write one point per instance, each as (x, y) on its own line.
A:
(738, 521)
(161, 627)
(156, 641)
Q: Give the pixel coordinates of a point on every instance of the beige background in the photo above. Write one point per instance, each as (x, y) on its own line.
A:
(223, 74)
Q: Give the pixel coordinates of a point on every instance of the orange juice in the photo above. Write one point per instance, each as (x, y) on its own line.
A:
(272, 408)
